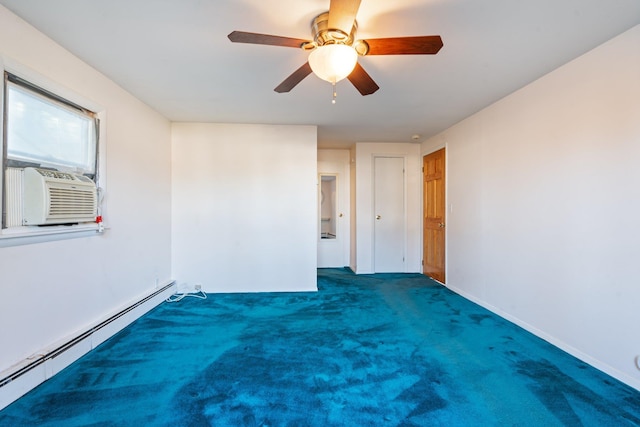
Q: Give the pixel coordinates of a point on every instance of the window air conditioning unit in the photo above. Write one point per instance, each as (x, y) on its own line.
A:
(52, 197)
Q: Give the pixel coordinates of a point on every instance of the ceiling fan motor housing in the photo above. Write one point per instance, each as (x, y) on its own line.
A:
(322, 34)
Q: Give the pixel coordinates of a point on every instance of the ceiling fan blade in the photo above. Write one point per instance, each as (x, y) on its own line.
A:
(255, 38)
(342, 13)
(295, 78)
(421, 45)
(362, 81)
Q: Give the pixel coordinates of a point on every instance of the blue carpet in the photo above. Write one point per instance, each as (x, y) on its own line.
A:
(384, 349)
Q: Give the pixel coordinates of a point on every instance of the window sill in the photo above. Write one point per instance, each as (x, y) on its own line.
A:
(17, 236)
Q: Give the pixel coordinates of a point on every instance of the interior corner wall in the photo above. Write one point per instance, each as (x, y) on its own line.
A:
(365, 152)
(244, 207)
(543, 193)
(56, 289)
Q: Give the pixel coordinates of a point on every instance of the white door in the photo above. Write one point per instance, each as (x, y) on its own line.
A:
(389, 212)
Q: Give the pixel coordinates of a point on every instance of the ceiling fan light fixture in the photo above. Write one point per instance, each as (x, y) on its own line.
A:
(333, 62)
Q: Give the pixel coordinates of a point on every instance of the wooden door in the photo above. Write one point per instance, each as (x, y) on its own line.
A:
(389, 222)
(434, 215)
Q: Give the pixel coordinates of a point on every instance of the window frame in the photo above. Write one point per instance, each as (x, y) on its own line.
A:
(21, 235)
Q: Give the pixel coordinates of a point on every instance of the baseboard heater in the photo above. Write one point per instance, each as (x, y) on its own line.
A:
(67, 345)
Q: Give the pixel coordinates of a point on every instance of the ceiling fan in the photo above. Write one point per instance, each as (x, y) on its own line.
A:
(334, 49)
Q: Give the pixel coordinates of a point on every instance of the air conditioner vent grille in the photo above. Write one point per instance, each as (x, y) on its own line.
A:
(56, 174)
(73, 202)
(52, 197)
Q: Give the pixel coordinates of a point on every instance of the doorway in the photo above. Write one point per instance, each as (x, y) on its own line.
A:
(434, 209)
(328, 207)
(333, 224)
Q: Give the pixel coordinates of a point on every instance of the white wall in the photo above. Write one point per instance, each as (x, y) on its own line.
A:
(365, 152)
(244, 207)
(544, 193)
(55, 289)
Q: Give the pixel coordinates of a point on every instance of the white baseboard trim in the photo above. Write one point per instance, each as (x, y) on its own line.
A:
(15, 382)
(598, 364)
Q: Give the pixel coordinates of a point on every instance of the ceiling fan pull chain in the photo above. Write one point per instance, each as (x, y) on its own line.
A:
(333, 100)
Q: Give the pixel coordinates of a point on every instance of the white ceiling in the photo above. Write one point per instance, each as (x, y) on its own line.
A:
(175, 56)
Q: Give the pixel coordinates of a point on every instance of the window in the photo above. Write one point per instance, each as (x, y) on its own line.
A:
(45, 131)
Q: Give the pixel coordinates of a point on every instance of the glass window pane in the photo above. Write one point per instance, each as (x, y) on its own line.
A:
(48, 133)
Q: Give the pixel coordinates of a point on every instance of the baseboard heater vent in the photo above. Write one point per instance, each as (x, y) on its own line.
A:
(67, 345)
